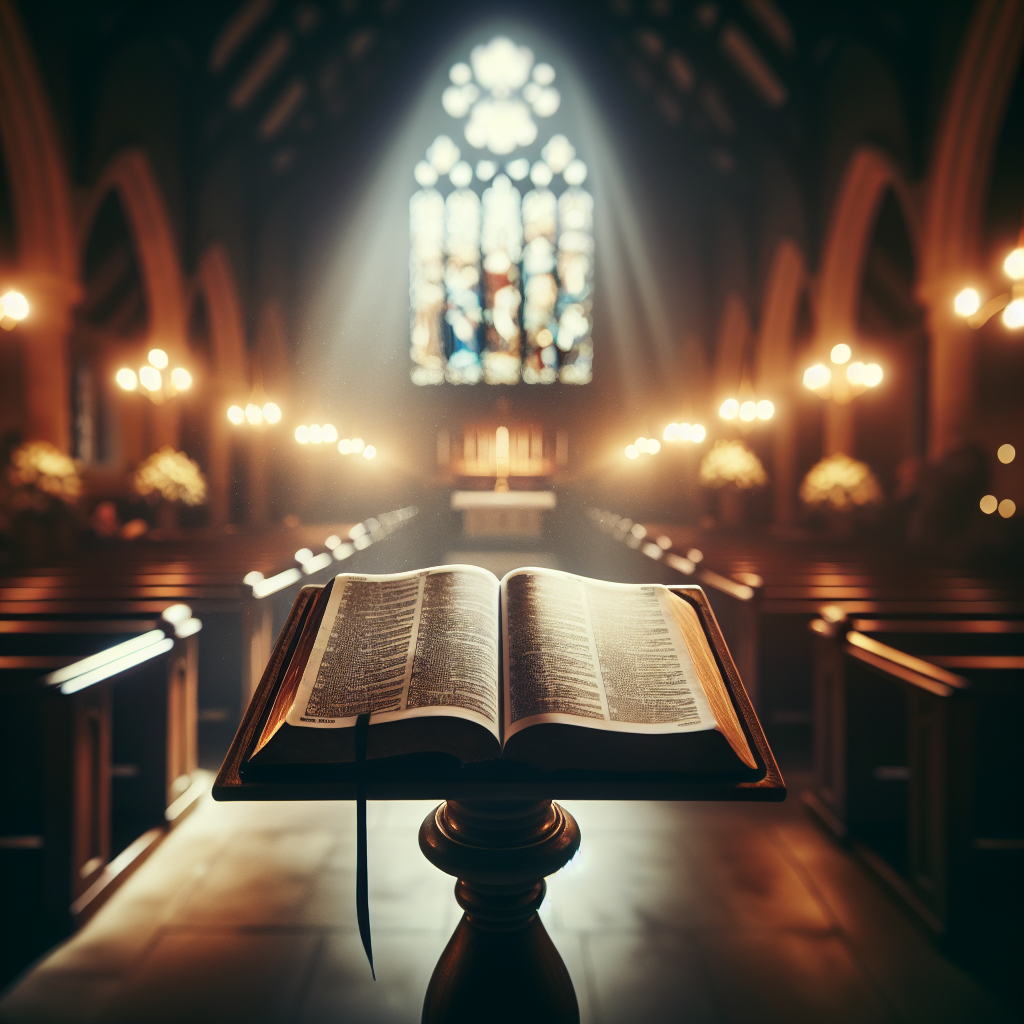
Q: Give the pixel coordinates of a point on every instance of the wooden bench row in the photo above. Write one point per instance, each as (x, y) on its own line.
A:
(92, 756)
(917, 741)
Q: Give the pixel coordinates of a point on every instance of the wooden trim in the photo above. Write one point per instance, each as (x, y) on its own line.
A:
(979, 662)
(916, 665)
(937, 626)
(891, 668)
(115, 874)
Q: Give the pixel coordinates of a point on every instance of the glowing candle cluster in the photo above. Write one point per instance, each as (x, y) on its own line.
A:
(680, 432)
(968, 303)
(255, 415)
(327, 433)
(842, 387)
(643, 446)
(154, 378)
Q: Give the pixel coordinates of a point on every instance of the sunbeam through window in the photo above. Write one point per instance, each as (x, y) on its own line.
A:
(501, 233)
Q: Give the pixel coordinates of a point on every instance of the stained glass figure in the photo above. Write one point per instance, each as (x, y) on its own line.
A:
(501, 233)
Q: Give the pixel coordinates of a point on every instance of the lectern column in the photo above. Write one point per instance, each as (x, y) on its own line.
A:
(500, 964)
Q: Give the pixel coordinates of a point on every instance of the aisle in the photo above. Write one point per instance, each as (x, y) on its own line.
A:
(670, 913)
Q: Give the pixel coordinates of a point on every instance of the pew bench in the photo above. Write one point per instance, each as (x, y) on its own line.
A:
(93, 754)
(917, 739)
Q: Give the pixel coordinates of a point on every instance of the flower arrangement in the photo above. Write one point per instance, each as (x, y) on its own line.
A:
(840, 483)
(41, 467)
(172, 476)
(732, 462)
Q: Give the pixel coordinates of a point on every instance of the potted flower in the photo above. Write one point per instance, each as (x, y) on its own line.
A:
(841, 488)
(169, 478)
(43, 488)
(732, 468)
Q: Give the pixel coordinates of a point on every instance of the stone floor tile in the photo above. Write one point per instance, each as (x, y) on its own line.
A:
(51, 996)
(341, 989)
(752, 877)
(657, 977)
(632, 815)
(630, 879)
(261, 878)
(790, 977)
(113, 941)
(405, 890)
(217, 977)
(918, 980)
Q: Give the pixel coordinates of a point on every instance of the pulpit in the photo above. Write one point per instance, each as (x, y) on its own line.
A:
(499, 832)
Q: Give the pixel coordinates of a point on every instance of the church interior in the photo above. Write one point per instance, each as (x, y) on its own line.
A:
(716, 294)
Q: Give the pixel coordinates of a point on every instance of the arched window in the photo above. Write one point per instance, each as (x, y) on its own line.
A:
(501, 232)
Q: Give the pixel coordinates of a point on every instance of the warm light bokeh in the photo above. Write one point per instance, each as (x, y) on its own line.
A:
(1014, 264)
(967, 303)
(1013, 315)
(817, 376)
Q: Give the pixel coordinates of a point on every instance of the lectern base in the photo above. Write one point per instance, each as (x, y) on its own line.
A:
(500, 964)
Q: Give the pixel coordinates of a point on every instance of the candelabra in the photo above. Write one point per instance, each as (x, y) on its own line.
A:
(153, 378)
(968, 302)
(842, 387)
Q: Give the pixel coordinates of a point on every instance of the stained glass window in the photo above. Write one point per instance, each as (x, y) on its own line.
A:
(501, 233)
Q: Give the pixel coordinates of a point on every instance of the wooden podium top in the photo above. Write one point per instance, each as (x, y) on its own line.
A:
(442, 778)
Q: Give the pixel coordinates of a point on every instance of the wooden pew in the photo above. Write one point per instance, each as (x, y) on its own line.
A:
(917, 764)
(764, 594)
(89, 763)
(226, 647)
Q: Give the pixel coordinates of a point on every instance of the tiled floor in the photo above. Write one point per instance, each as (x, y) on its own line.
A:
(675, 913)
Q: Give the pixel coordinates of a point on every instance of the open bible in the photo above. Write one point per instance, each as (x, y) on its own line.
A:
(544, 668)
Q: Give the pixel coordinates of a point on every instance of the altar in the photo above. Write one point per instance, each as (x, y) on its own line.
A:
(503, 513)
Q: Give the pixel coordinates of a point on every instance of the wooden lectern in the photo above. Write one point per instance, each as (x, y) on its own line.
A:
(500, 833)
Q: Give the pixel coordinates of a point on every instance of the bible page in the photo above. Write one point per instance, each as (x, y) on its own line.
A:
(415, 644)
(606, 655)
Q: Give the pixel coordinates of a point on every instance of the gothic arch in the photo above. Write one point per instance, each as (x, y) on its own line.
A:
(131, 175)
(38, 176)
(776, 374)
(958, 178)
(228, 381)
(787, 279)
(731, 346)
(216, 280)
(47, 267)
(869, 175)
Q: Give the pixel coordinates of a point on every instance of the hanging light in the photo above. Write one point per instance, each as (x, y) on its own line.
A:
(968, 302)
(841, 387)
(14, 308)
(679, 432)
(156, 384)
(747, 411)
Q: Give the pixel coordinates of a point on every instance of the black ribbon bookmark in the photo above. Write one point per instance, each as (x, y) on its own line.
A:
(362, 885)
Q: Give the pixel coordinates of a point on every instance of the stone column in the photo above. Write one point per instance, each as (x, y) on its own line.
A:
(46, 362)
